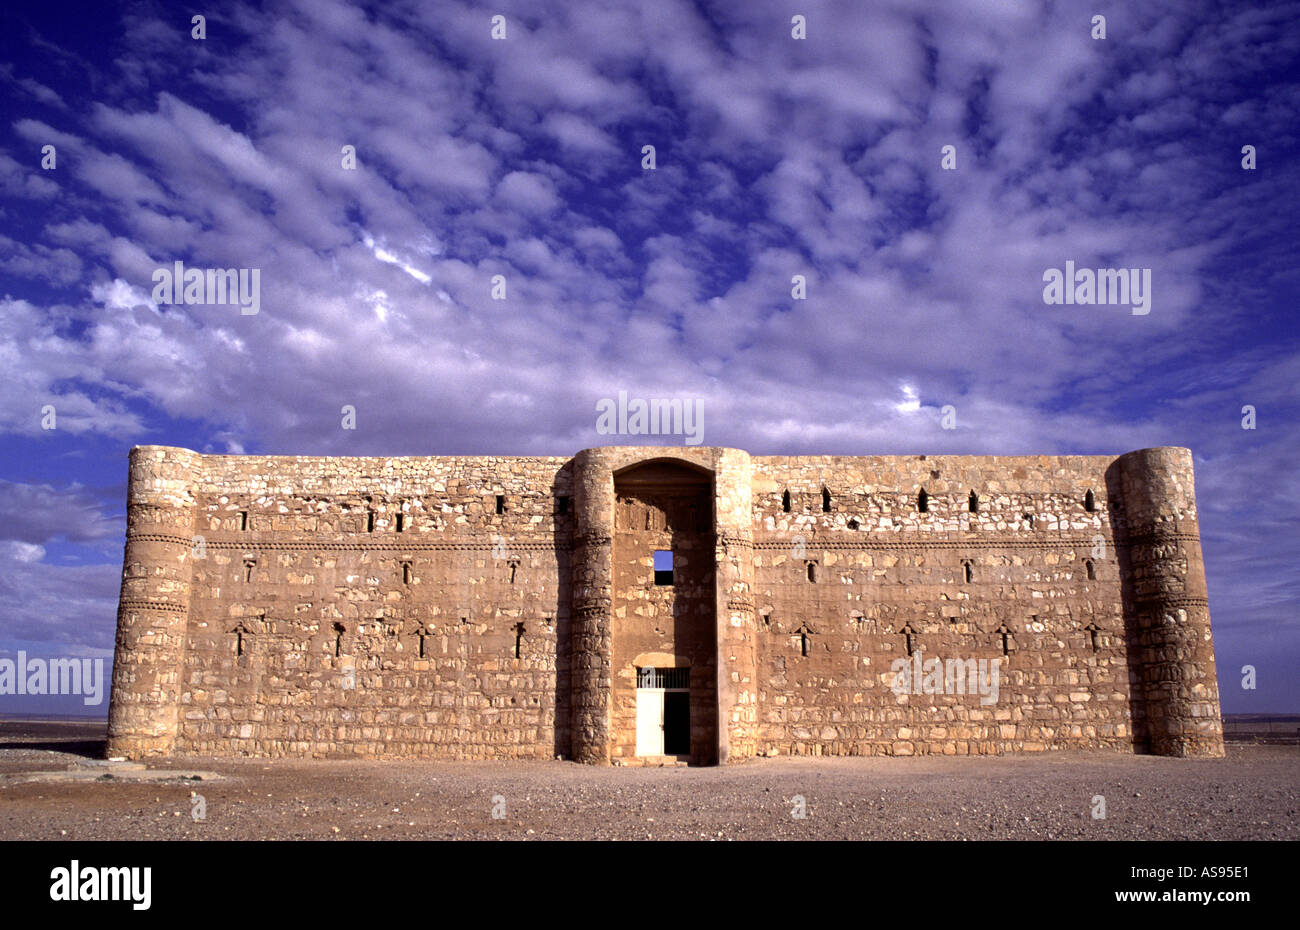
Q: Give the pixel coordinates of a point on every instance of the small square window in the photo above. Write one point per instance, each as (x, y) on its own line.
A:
(663, 566)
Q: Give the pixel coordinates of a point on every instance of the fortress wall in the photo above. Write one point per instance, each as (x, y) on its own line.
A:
(901, 571)
(316, 627)
(278, 606)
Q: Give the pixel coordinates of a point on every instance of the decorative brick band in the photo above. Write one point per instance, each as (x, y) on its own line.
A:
(1174, 602)
(319, 546)
(730, 541)
(1145, 539)
(811, 544)
(161, 537)
(138, 603)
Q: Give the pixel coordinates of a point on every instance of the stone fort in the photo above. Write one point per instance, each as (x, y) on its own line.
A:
(635, 605)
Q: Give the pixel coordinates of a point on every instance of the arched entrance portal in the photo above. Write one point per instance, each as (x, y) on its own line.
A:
(663, 630)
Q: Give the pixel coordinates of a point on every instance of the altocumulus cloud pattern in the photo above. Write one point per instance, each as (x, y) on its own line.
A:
(833, 226)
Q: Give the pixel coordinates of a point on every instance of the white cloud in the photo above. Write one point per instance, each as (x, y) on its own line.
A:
(389, 258)
(776, 158)
(119, 295)
(911, 401)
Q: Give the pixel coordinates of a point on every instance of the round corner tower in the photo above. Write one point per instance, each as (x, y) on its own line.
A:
(593, 597)
(1172, 647)
(153, 611)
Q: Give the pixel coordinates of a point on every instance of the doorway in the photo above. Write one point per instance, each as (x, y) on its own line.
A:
(663, 712)
(677, 723)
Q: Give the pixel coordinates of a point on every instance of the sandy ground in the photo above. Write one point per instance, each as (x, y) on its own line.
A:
(1253, 794)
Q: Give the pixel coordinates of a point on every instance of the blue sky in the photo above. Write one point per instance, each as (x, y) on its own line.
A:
(523, 157)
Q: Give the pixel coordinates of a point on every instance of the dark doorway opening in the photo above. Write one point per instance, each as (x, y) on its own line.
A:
(677, 723)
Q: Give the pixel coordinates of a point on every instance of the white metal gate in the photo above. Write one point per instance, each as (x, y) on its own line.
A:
(649, 721)
(651, 686)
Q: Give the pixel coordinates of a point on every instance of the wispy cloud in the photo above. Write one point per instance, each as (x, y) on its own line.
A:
(775, 158)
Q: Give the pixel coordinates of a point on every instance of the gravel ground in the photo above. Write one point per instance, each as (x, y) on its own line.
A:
(1252, 795)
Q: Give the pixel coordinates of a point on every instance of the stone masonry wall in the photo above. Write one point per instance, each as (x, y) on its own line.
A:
(1029, 578)
(472, 607)
(318, 624)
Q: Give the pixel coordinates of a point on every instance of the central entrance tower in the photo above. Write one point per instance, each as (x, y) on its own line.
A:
(664, 644)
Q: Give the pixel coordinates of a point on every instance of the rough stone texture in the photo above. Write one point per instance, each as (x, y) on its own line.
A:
(498, 607)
